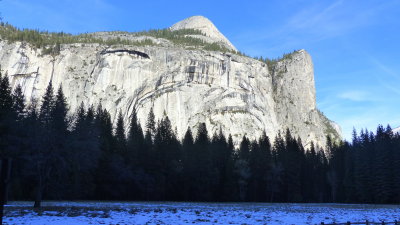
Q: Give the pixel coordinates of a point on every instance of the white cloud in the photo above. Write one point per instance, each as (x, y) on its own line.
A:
(357, 96)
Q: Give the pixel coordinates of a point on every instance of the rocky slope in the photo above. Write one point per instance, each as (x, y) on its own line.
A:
(203, 24)
(240, 95)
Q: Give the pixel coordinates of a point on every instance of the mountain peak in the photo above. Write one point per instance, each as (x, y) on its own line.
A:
(206, 27)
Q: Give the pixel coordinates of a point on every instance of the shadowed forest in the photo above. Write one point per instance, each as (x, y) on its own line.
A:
(83, 155)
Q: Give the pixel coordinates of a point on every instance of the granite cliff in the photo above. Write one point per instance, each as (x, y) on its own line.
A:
(228, 91)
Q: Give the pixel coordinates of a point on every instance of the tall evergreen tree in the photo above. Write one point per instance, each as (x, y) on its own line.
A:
(60, 112)
(189, 159)
(18, 99)
(85, 154)
(230, 188)
(47, 107)
(293, 166)
(135, 142)
(6, 117)
(260, 165)
(276, 178)
(18, 135)
(383, 165)
(44, 157)
(242, 168)
(151, 123)
(202, 165)
(120, 137)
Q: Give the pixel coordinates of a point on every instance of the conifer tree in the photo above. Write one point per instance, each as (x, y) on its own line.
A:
(47, 107)
(6, 101)
(57, 141)
(85, 153)
(60, 112)
(202, 165)
(18, 107)
(293, 166)
(188, 158)
(135, 142)
(260, 164)
(242, 168)
(276, 178)
(6, 117)
(44, 159)
(120, 137)
(151, 123)
(383, 165)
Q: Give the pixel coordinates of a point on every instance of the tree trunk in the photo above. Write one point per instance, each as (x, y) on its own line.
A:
(38, 194)
(38, 198)
(6, 191)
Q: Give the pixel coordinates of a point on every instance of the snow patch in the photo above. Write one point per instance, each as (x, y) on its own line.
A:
(194, 213)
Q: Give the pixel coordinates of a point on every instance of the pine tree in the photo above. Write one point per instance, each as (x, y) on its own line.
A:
(188, 164)
(60, 111)
(44, 153)
(396, 166)
(230, 188)
(242, 168)
(6, 117)
(348, 180)
(151, 123)
(104, 173)
(383, 166)
(333, 171)
(293, 166)
(104, 125)
(135, 142)
(85, 153)
(18, 107)
(120, 137)
(167, 149)
(47, 107)
(188, 141)
(276, 178)
(255, 181)
(6, 101)
(244, 150)
(203, 182)
(310, 188)
(32, 158)
(17, 143)
(260, 164)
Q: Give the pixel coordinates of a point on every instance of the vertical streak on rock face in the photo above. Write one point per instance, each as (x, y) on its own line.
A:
(235, 93)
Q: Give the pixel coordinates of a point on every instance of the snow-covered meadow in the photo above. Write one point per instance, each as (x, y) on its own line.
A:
(67, 213)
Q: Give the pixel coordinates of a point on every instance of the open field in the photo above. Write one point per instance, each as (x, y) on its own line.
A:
(194, 213)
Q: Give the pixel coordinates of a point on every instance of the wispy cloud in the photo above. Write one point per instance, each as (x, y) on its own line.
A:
(316, 21)
(357, 96)
(384, 68)
(387, 77)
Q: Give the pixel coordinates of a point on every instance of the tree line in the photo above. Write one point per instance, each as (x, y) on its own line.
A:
(85, 157)
(50, 42)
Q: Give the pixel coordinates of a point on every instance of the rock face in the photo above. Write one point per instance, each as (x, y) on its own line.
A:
(206, 27)
(237, 94)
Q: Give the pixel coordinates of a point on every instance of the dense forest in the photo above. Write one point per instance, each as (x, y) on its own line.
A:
(64, 155)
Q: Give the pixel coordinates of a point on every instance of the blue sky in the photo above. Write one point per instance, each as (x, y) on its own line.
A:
(355, 45)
